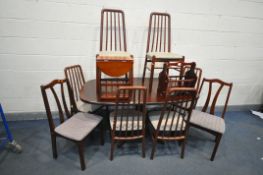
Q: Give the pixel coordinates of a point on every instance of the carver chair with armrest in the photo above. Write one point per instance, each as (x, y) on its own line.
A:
(189, 73)
(206, 119)
(172, 122)
(158, 49)
(179, 74)
(127, 121)
(75, 77)
(74, 125)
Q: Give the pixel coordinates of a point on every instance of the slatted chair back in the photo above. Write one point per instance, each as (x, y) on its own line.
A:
(182, 68)
(159, 33)
(112, 30)
(75, 77)
(176, 112)
(129, 114)
(57, 90)
(216, 89)
(198, 72)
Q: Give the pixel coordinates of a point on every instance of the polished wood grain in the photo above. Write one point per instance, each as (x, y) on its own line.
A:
(115, 68)
(88, 93)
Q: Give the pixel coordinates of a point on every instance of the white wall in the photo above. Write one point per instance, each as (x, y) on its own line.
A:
(38, 38)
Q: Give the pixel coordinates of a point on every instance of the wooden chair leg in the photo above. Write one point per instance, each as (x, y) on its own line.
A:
(112, 148)
(183, 148)
(144, 70)
(81, 155)
(218, 138)
(102, 132)
(54, 146)
(143, 147)
(151, 76)
(153, 148)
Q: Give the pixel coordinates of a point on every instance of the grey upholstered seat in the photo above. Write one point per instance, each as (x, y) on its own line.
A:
(208, 121)
(78, 126)
(205, 119)
(73, 125)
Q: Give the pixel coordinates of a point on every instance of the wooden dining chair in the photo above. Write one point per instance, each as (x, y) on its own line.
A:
(74, 125)
(172, 122)
(75, 77)
(114, 65)
(179, 74)
(127, 121)
(206, 119)
(158, 49)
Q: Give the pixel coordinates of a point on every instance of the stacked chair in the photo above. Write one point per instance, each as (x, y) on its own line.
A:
(114, 65)
(158, 49)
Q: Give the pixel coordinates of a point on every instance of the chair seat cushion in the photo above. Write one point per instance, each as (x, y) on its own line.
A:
(114, 54)
(129, 121)
(78, 126)
(154, 119)
(83, 107)
(208, 121)
(165, 55)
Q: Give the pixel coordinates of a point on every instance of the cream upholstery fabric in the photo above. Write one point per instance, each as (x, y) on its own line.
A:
(167, 55)
(208, 121)
(154, 119)
(127, 122)
(156, 65)
(78, 126)
(115, 54)
(83, 107)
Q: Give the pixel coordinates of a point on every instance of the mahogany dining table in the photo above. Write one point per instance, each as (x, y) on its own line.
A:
(88, 93)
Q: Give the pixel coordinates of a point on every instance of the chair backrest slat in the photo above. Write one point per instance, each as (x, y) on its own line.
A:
(182, 68)
(176, 112)
(130, 111)
(57, 87)
(215, 88)
(76, 79)
(159, 33)
(112, 30)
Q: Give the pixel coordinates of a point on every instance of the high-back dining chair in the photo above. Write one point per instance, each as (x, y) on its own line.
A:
(114, 65)
(206, 119)
(127, 121)
(73, 125)
(112, 31)
(158, 49)
(75, 77)
(172, 122)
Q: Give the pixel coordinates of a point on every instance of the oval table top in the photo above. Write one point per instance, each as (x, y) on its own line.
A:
(88, 93)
